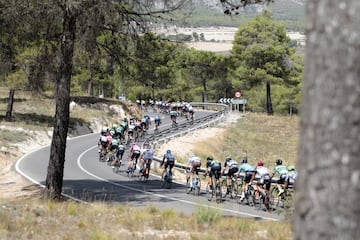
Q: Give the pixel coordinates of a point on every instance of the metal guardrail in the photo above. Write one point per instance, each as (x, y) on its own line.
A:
(212, 119)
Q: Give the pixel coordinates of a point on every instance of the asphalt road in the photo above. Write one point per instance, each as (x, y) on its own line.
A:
(87, 179)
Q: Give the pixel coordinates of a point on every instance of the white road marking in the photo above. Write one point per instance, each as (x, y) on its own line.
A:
(161, 195)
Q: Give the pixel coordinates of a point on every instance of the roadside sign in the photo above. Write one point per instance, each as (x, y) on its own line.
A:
(240, 101)
(226, 100)
(238, 94)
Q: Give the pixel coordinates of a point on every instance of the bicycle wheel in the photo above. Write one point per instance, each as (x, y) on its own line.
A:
(146, 174)
(269, 201)
(275, 196)
(197, 185)
(218, 192)
(188, 186)
(209, 193)
(260, 201)
(239, 190)
(116, 167)
(250, 195)
(234, 192)
(169, 180)
(110, 159)
(224, 188)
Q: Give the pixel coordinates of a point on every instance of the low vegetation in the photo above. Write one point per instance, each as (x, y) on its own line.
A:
(256, 136)
(34, 219)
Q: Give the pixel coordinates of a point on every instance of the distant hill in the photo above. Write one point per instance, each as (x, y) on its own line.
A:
(206, 13)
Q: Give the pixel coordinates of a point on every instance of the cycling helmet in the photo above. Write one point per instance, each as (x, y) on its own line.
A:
(244, 160)
(209, 158)
(278, 162)
(168, 151)
(227, 159)
(103, 132)
(260, 163)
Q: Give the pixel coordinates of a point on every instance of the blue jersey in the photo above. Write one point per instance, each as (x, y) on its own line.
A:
(246, 167)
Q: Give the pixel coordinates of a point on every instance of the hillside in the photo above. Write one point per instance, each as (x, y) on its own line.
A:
(206, 13)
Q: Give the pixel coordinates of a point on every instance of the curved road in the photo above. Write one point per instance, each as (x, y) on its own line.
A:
(87, 179)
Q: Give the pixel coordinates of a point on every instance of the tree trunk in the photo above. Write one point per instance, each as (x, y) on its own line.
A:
(54, 178)
(269, 108)
(328, 188)
(204, 91)
(90, 81)
(9, 110)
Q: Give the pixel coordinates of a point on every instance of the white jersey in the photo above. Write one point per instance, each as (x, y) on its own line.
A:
(103, 139)
(194, 159)
(232, 164)
(148, 154)
(262, 171)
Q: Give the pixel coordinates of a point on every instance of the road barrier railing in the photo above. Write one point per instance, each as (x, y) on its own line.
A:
(211, 120)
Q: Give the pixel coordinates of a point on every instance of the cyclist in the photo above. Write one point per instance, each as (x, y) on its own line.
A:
(103, 141)
(146, 158)
(148, 122)
(134, 154)
(249, 175)
(264, 175)
(283, 173)
(194, 164)
(138, 128)
(213, 168)
(113, 148)
(157, 121)
(173, 115)
(168, 160)
(119, 154)
(144, 125)
(124, 124)
(232, 167)
(190, 110)
(292, 175)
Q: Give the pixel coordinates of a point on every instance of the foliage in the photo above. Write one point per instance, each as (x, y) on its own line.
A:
(206, 215)
(261, 53)
(35, 219)
(111, 59)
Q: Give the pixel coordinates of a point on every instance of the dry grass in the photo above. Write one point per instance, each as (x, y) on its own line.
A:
(257, 136)
(35, 219)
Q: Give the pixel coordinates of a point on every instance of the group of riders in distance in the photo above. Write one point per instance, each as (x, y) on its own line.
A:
(114, 140)
(127, 134)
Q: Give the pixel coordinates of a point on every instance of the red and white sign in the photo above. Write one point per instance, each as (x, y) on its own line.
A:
(238, 94)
